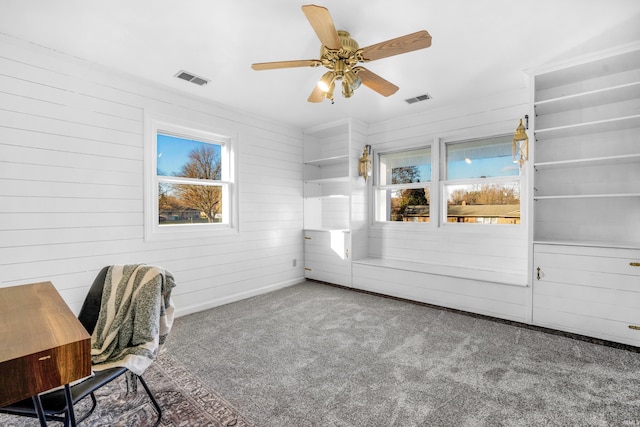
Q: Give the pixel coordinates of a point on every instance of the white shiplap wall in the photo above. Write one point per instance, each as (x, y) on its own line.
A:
(359, 223)
(71, 184)
(470, 251)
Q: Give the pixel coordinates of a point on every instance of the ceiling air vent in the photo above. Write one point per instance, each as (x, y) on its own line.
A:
(190, 77)
(418, 98)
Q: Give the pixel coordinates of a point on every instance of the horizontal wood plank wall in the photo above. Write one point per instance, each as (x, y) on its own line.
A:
(359, 194)
(71, 184)
(498, 249)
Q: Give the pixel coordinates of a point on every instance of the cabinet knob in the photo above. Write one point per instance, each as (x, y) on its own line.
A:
(307, 269)
(538, 273)
(307, 238)
(634, 327)
(634, 264)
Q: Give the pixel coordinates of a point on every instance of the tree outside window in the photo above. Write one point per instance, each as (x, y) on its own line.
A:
(404, 186)
(190, 187)
(405, 204)
(182, 203)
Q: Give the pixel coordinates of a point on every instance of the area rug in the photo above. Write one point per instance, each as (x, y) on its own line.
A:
(184, 399)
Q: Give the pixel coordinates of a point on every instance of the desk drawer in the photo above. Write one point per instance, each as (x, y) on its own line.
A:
(43, 371)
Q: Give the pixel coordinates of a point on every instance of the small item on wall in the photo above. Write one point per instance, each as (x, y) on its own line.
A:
(364, 167)
(520, 148)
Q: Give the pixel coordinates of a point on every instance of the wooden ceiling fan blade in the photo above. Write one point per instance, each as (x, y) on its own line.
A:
(286, 64)
(317, 95)
(404, 44)
(322, 24)
(375, 82)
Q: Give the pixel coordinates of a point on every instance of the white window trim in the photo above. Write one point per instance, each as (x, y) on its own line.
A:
(437, 187)
(155, 123)
(471, 181)
(406, 186)
(397, 187)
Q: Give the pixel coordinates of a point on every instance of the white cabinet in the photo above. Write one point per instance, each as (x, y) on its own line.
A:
(335, 200)
(586, 197)
(326, 255)
(588, 290)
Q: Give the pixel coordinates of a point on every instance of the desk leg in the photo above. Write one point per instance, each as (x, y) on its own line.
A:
(37, 404)
(72, 415)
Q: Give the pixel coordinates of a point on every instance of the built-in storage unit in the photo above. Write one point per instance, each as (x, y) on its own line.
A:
(587, 152)
(327, 178)
(587, 197)
(334, 200)
(326, 256)
(593, 291)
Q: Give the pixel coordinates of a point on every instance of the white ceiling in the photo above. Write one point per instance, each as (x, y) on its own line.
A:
(479, 48)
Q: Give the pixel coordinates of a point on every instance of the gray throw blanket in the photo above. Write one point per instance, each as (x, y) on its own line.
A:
(135, 317)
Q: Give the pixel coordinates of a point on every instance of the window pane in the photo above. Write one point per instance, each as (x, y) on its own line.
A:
(484, 203)
(189, 204)
(481, 159)
(408, 205)
(188, 158)
(405, 167)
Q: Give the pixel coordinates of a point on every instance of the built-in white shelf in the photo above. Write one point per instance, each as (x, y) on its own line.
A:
(327, 161)
(595, 126)
(587, 196)
(334, 200)
(328, 230)
(594, 161)
(587, 188)
(330, 196)
(589, 99)
(328, 180)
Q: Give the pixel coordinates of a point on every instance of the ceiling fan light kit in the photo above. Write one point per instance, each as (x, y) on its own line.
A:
(327, 80)
(341, 55)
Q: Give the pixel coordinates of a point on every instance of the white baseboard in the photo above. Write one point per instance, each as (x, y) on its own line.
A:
(183, 311)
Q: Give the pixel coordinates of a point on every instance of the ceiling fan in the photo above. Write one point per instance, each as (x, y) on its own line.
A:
(341, 55)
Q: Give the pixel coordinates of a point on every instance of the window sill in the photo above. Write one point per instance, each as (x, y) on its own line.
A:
(188, 232)
(452, 227)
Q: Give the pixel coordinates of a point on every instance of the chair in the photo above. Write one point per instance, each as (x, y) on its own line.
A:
(54, 403)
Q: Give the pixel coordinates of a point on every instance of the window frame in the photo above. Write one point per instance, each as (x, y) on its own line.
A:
(155, 124)
(379, 189)
(444, 182)
(438, 195)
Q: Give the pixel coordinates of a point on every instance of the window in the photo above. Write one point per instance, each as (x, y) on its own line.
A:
(476, 182)
(189, 180)
(403, 190)
(482, 184)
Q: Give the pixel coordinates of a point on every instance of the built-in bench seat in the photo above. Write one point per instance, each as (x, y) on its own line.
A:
(507, 277)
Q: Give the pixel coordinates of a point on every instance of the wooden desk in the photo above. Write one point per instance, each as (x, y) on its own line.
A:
(42, 343)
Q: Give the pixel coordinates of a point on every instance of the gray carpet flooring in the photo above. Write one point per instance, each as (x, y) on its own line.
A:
(319, 355)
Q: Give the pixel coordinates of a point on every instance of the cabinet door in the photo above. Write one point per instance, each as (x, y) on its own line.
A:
(588, 290)
(327, 256)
